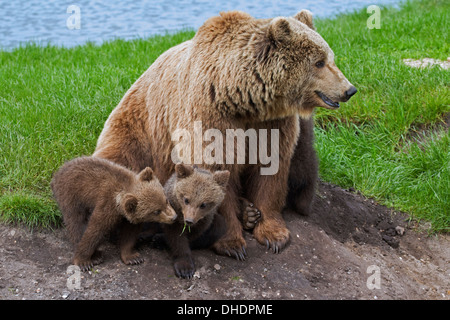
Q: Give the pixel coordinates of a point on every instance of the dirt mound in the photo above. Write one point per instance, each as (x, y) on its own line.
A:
(349, 248)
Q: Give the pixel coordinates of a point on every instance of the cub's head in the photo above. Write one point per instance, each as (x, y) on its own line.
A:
(199, 192)
(302, 65)
(147, 202)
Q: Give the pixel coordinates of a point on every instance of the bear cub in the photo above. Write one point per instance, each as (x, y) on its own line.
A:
(97, 196)
(195, 194)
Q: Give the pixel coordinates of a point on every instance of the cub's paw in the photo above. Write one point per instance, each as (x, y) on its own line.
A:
(86, 264)
(184, 268)
(232, 247)
(272, 233)
(132, 258)
(250, 214)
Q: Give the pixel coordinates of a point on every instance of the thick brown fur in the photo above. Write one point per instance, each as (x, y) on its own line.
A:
(97, 196)
(236, 73)
(303, 175)
(195, 194)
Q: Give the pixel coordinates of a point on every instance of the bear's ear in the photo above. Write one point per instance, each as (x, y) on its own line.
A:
(306, 17)
(222, 177)
(279, 30)
(130, 203)
(183, 171)
(146, 174)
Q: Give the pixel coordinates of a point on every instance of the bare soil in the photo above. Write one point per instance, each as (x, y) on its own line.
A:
(330, 256)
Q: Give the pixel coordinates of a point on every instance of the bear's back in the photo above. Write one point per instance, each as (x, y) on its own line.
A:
(86, 179)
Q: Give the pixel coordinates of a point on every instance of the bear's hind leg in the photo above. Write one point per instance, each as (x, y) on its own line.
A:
(304, 170)
(249, 214)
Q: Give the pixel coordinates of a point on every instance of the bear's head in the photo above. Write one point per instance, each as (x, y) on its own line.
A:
(300, 64)
(199, 192)
(147, 201)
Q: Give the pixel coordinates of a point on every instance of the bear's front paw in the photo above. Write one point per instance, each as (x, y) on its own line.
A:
(232, 247)
(86, 264)
(132, 258)
(184, 267)
(272, 233)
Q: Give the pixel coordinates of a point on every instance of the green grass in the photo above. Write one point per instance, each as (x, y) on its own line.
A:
(54, 102)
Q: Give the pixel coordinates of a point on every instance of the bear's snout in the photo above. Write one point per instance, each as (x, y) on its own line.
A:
(350, 92)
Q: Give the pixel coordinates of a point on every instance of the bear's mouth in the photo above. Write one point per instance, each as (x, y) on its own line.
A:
(327, 100)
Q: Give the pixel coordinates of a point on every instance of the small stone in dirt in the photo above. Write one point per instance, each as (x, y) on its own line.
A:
(65, 294)
(217, 267)
(400, 230)
(394, 243)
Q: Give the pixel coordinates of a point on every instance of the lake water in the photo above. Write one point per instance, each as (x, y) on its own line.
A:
(45, 21)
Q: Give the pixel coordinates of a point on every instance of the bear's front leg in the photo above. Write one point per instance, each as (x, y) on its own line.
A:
(271, 230)
(268, 191)
(232, 243)
(180, 250)
(128, 237)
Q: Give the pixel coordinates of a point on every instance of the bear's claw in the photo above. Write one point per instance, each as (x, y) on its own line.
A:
(184, 268)
(272, 235)
(239, 255)
(250, 215)
(133, 259)
(232, 248)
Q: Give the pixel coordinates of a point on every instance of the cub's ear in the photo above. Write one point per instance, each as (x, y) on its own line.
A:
(146, 174)
(306, 17)
(279, 30)
(183, 171)
(222, 177)
(130, 203)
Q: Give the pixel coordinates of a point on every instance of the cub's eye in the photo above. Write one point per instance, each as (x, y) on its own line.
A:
(186, 201)
(320, 64)
(157, 212)
(202, 206)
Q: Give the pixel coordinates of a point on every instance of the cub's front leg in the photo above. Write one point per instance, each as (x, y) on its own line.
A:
(128, 238)
(180, 250)
(231, 244)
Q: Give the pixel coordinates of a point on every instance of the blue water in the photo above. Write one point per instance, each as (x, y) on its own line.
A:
(45, 21)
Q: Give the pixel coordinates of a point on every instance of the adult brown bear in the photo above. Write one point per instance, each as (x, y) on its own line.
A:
(237, 73)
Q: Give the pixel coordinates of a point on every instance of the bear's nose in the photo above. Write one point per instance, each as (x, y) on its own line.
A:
(350, 92)
(189, 221)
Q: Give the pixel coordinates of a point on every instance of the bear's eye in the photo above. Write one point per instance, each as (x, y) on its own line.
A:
(157, 212)
(320, 64)
(202, 206)
(186, 201)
